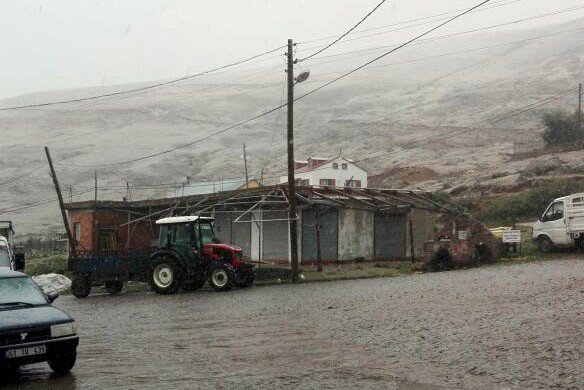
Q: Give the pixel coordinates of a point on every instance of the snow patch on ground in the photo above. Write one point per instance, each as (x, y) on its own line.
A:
(52, 282)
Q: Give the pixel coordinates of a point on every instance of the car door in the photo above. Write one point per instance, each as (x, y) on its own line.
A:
(554, 223)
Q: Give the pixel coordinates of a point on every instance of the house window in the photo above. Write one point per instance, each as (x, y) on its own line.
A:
(327, 182)
(344, 167)
(335, 166)
(303, 182)
(353, 183)
(77, 231)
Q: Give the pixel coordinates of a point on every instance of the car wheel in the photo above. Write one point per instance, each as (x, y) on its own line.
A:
(165, 276)
(193, 286)
(544, 244)
(80, 286)
(114, 287)
(62, 364)
(221, 278)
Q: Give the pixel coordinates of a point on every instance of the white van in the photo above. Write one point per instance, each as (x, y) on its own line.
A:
(562, 224)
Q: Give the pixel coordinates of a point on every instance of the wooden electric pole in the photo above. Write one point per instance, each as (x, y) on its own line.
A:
(580, 106)
(291, 179)
(95, 183)
(72, 249)
(245, 164)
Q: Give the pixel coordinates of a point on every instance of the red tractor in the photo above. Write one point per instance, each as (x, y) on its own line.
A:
(188, 255)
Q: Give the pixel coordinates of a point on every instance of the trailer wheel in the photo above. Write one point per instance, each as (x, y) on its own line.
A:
(80, 286)
(114, 287)
(247, 282)
(165, 276)
(193, 286)
(544, 244)
(222, 278)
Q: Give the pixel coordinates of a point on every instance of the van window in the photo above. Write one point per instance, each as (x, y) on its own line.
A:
(555, 212)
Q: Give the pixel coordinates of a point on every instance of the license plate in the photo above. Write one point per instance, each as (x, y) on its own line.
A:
(23, 352)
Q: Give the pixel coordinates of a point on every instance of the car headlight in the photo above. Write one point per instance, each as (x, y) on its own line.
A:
(61, 330)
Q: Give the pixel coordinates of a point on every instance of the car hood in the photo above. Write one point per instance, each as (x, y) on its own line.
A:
(32, 317)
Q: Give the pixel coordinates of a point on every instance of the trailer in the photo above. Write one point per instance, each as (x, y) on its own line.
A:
(186, 256)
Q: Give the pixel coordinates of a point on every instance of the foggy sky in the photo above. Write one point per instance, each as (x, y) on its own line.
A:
(59, 44)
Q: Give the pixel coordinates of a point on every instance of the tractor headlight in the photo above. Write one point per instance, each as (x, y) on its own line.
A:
(62, 330)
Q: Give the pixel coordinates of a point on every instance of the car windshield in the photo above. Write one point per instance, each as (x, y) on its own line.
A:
(20, 291)
(4, 258)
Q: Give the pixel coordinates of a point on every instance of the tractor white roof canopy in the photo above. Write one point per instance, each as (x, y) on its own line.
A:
(185, 219)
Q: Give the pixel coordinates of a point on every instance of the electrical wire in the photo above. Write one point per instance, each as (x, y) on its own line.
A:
(297, 98)
(345, 34)
(172, 81)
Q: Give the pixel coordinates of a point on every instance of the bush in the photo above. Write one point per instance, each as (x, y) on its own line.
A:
(526, 205)
(561, 128)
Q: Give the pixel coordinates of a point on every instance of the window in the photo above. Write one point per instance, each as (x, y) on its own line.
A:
(77, 231)
(302, 182)
(353, 183)
(344, 167)
(327, 182)
(335, 166)
(555, 212)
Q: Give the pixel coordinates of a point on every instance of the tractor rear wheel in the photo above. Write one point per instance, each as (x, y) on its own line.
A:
(165, 276)
(114, 287)
(222, 278)
(80, 286)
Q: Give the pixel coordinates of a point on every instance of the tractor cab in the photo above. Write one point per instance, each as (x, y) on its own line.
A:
(188, 254)
(186, 236)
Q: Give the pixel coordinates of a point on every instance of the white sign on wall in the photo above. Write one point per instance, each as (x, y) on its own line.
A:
(511, 236)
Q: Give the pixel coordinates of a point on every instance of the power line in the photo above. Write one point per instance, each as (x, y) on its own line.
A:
(506, 2)
(345, 34)
(433, 39)
(391, 51)
(172, 81)
(297, 98)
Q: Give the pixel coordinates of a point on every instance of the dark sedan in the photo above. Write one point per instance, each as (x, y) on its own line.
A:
(31, 330)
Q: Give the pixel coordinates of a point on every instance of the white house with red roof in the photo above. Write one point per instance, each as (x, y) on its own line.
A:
(329, 172)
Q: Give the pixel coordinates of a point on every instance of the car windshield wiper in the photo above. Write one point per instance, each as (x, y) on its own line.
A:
(28, 304)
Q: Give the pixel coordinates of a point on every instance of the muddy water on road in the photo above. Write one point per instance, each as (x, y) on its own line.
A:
(513, 327)
(240, 339)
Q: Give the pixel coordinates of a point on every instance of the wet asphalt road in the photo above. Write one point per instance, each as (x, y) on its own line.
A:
(518, 326)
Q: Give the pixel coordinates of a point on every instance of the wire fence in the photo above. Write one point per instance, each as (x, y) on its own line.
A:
(35, 248)
(521, 147)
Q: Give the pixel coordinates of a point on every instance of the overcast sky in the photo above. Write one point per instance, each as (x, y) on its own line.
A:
(58, 44)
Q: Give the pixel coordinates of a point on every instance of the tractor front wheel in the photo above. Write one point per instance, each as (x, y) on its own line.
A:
(222, 278)
(165, 276)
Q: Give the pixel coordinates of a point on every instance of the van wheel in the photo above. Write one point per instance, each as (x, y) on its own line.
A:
(544, 244)
(80, 286)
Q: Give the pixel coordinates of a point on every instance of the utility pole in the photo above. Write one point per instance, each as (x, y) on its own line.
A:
(130, 192)
(580, 106)
(95, 177)
(73, 252)
(245, 164)
(291, 179)
(70, 194)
